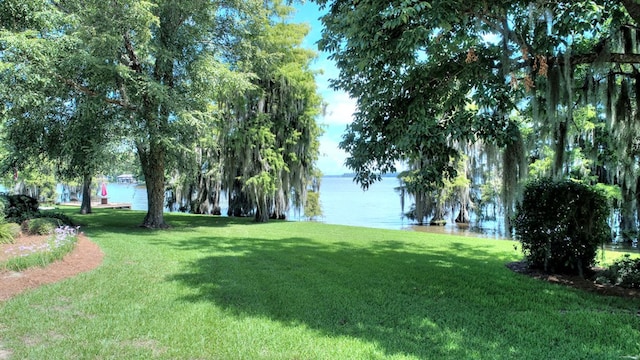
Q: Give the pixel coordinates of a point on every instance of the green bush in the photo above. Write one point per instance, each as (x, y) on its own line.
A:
(624, 272)
(19, 208)
(13, 228)
(3, 202)
(561, 224)
(63, 219)
(41, 226)
(8, 233)
(312, 207)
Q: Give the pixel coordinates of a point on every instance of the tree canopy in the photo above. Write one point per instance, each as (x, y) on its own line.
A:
(433, 77)
(163, 75)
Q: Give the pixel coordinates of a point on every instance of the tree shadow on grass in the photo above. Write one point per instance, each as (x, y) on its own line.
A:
(457, 303)
(128, 222)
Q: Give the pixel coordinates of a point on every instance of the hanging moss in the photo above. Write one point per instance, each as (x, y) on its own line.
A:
(553, 91)
(611, 98)
(514, 170)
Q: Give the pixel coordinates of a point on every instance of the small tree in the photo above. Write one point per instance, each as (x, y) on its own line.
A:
(561, 224)
(312, 207)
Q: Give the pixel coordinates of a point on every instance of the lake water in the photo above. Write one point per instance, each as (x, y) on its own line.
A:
(343, 203)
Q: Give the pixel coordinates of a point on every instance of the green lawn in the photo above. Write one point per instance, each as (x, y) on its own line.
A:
(219, 288)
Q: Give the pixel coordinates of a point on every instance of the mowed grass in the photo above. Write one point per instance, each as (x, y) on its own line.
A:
(220, 288)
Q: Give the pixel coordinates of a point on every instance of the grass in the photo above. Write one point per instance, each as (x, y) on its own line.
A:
(220, 288)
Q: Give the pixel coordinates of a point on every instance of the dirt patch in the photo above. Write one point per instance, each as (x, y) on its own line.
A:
(576, 282)
(5, 354)
(84, 257)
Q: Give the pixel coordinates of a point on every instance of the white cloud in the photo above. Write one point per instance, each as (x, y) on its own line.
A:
(331, 160)
(340, 109)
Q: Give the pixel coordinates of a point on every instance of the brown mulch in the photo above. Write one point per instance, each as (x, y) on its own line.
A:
(84, 257)
(576, 282)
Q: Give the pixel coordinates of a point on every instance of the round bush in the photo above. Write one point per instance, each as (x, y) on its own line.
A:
(62, 218)
(9, 232)
(561, 224)
(19, 207)
(41, 226)
(13, 229)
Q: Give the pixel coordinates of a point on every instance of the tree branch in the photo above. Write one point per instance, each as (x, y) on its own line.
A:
(85, 90)
(615, 58)
(633, 8)
(134, 63)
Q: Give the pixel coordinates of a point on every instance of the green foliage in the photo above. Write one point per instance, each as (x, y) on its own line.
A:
(9, 232)
(15, 230)
(312, 207)
(5, 236)
(270, 151)
(561, 224)
(305, 290)
(143, 71)
(624, 272)
(3, 204)
(19, 207)
(41, 226)
(56, 247)
(431, 77)
(541, 167)
(611, 192)
(60, 217)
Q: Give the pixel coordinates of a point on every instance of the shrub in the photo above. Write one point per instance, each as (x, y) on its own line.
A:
(624, 272)
(3, 202)
(312, 207)
(63, 219)
(9, 232)
(560, 225)
(5, 235)
(41, 226)
(19, 208)
(13, 229)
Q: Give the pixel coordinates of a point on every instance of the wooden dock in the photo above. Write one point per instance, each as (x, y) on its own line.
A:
(99, 205)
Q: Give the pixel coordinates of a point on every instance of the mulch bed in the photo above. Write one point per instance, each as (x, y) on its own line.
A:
(84, 257)
(576, 282)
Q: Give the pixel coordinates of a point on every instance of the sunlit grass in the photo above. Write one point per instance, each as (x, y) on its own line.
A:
(220, 288)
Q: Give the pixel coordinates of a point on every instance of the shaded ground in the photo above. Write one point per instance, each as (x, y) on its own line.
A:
(84, 257)
(87, 256)
(577, 282)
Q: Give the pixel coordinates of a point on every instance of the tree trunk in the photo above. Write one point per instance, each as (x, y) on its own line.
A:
(463, 216)
(85, 208)
(628, 226)
(152, 161)
(561, 140)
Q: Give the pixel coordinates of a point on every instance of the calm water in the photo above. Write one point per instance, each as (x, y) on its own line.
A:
(343, 203)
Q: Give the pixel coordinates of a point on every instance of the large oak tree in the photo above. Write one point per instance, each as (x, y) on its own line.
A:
(144, 58)
(431, 77)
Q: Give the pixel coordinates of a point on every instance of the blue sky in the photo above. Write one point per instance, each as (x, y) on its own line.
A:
(340, 107)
